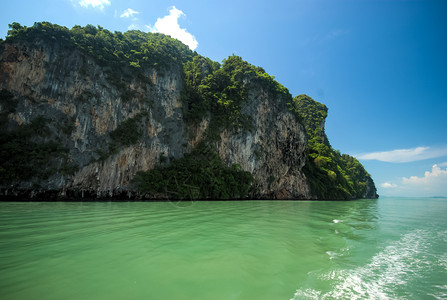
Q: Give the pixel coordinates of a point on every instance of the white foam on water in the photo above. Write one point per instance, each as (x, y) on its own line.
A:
(331, 254)
(442, 292)
(310, 294)
(337, 221)
(334, 254)
(388, 269)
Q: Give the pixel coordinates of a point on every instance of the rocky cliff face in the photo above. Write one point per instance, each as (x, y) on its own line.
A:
(83, 111)
(82, 107)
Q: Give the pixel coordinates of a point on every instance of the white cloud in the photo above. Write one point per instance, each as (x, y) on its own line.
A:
(388, 185)
(94, 3)
(169, 26)
(433, 183)
(129, 13)
(405, 155)
(436, 176)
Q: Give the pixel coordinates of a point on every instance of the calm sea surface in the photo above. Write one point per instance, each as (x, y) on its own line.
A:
(391, 248)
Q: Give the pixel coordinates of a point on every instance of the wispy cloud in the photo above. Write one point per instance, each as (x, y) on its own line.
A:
(405, 155)
(433, 183)
(94, 3)
(129, 13)
(169, 26)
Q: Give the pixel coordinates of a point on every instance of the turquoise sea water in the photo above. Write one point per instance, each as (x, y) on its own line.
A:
(390, 248)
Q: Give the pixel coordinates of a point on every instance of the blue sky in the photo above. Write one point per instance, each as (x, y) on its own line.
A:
(379, 65)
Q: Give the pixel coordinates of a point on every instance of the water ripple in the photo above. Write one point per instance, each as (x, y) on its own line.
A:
(223, 250)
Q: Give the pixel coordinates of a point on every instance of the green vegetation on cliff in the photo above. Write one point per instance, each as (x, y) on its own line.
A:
(198, 175)
(127, 133)
(221, 91)
(331, 175)
(115, 50)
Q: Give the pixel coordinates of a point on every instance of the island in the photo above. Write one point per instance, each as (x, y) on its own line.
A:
(86, 113)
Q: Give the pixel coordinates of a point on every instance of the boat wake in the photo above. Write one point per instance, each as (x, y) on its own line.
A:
(387, 275)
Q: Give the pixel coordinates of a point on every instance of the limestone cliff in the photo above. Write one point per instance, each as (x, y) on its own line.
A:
(108, 126)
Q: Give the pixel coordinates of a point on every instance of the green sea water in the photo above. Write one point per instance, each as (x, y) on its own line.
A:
(390, 248)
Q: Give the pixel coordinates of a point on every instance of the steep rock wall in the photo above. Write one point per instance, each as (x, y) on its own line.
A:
(273, 152)
(65, 86)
